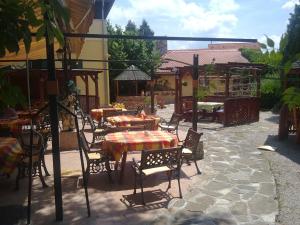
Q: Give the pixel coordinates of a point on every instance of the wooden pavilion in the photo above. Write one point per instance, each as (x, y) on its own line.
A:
(134, 75)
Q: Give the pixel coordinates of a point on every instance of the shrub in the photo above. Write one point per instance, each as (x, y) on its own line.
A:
(270, 93)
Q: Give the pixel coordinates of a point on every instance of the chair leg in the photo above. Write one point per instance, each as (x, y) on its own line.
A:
(87, 172)
(134, 188)
(44, 167)
(41, 175)
(195, 161)
(179, 187)
(169, 177)
(18, 179)
(142, 190)
(107, 166)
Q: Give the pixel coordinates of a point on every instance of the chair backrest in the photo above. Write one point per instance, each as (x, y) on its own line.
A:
(84, 144)
(139, 109)
(149, 124)
(37, 142)
(110, 112)
(192, 139)
(161, 157)
(129, 112)
(91, 122)
(175, 119)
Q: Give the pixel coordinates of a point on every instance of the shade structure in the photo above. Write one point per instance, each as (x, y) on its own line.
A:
(132, 73)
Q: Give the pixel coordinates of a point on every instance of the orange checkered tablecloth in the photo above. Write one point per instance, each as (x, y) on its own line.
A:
(124, 120)
(10, 154)
(14, 125)
(97, 114)
(120, 142)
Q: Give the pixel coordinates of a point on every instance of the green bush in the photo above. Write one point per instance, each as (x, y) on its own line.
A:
(270, 93)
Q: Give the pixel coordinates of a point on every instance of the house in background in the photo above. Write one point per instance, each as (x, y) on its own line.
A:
(86, 16)
(217, 54)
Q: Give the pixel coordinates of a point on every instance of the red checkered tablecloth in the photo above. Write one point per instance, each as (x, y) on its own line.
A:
(97, 114)
(117, 143)
(124, 120)
(14, 125)
(10, 154)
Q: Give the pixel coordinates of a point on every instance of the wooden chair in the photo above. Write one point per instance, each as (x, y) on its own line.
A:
(129, 112)
(37, 156)
(190, 147)
(109, 113)
(156, 161)
(98, 133)
(94, 158)
(172, 125)
(82, 116)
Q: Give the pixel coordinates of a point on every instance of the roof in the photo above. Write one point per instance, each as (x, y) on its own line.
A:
(206, 56)
(82, 14)
(133, 73)
(234, 45)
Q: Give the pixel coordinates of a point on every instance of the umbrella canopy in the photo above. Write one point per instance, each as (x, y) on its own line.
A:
(133, 73)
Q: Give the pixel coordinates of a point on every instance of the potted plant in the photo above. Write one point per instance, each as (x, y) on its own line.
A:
(10, 96)
(291, 97)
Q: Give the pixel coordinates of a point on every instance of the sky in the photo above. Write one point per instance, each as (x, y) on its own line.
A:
(206, 18)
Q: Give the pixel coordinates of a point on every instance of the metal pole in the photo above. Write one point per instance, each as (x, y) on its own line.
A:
(152, 91)
(195, 90)
(30, 176)
(81, 160)
(54, 129)
(28, 83)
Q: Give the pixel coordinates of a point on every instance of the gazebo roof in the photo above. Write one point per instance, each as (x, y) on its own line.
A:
(133, 73)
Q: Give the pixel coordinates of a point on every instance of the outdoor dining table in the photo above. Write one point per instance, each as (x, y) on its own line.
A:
(97, 114)
(119, 143)
(14, 125)
(10, 154)
(125, 120)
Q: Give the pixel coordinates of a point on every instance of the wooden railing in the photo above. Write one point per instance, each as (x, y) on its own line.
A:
(88, 102)
(241, 110)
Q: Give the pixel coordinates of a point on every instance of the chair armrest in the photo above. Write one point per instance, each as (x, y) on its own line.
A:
(135, 164)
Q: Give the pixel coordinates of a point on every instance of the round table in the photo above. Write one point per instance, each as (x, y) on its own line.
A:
(14, 125)
(125, 120)
(10, 154)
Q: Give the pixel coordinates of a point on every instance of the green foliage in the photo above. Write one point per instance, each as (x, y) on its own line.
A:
(291, 97)
(142, 52)
(270, 92)
(291, 53)
(10, 95)
(17, 17)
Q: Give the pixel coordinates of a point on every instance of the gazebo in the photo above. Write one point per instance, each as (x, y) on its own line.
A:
(134, 74)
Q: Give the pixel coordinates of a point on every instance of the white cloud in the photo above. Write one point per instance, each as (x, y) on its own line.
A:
(290, 4)
(180, 17)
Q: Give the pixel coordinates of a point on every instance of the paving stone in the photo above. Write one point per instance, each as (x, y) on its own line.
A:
(262, 177)
(239, 175)
(239, 208)
(260, 205)
(247, 187)
(217, 186)
(232, 196)
(222, 178)
(205, 202)
(177, 203)
(267, 189)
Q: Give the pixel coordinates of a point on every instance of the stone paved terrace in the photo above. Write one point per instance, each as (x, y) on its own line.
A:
(236, 186)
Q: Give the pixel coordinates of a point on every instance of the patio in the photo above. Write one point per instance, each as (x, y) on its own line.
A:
(236, 186)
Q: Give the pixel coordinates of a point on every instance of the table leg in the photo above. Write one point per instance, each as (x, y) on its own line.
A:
(123, 163)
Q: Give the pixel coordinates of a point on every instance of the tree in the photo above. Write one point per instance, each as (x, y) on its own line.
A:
(18, 17)
(141, 52)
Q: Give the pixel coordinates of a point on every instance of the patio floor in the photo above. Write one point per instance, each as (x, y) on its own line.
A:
(236, 186)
